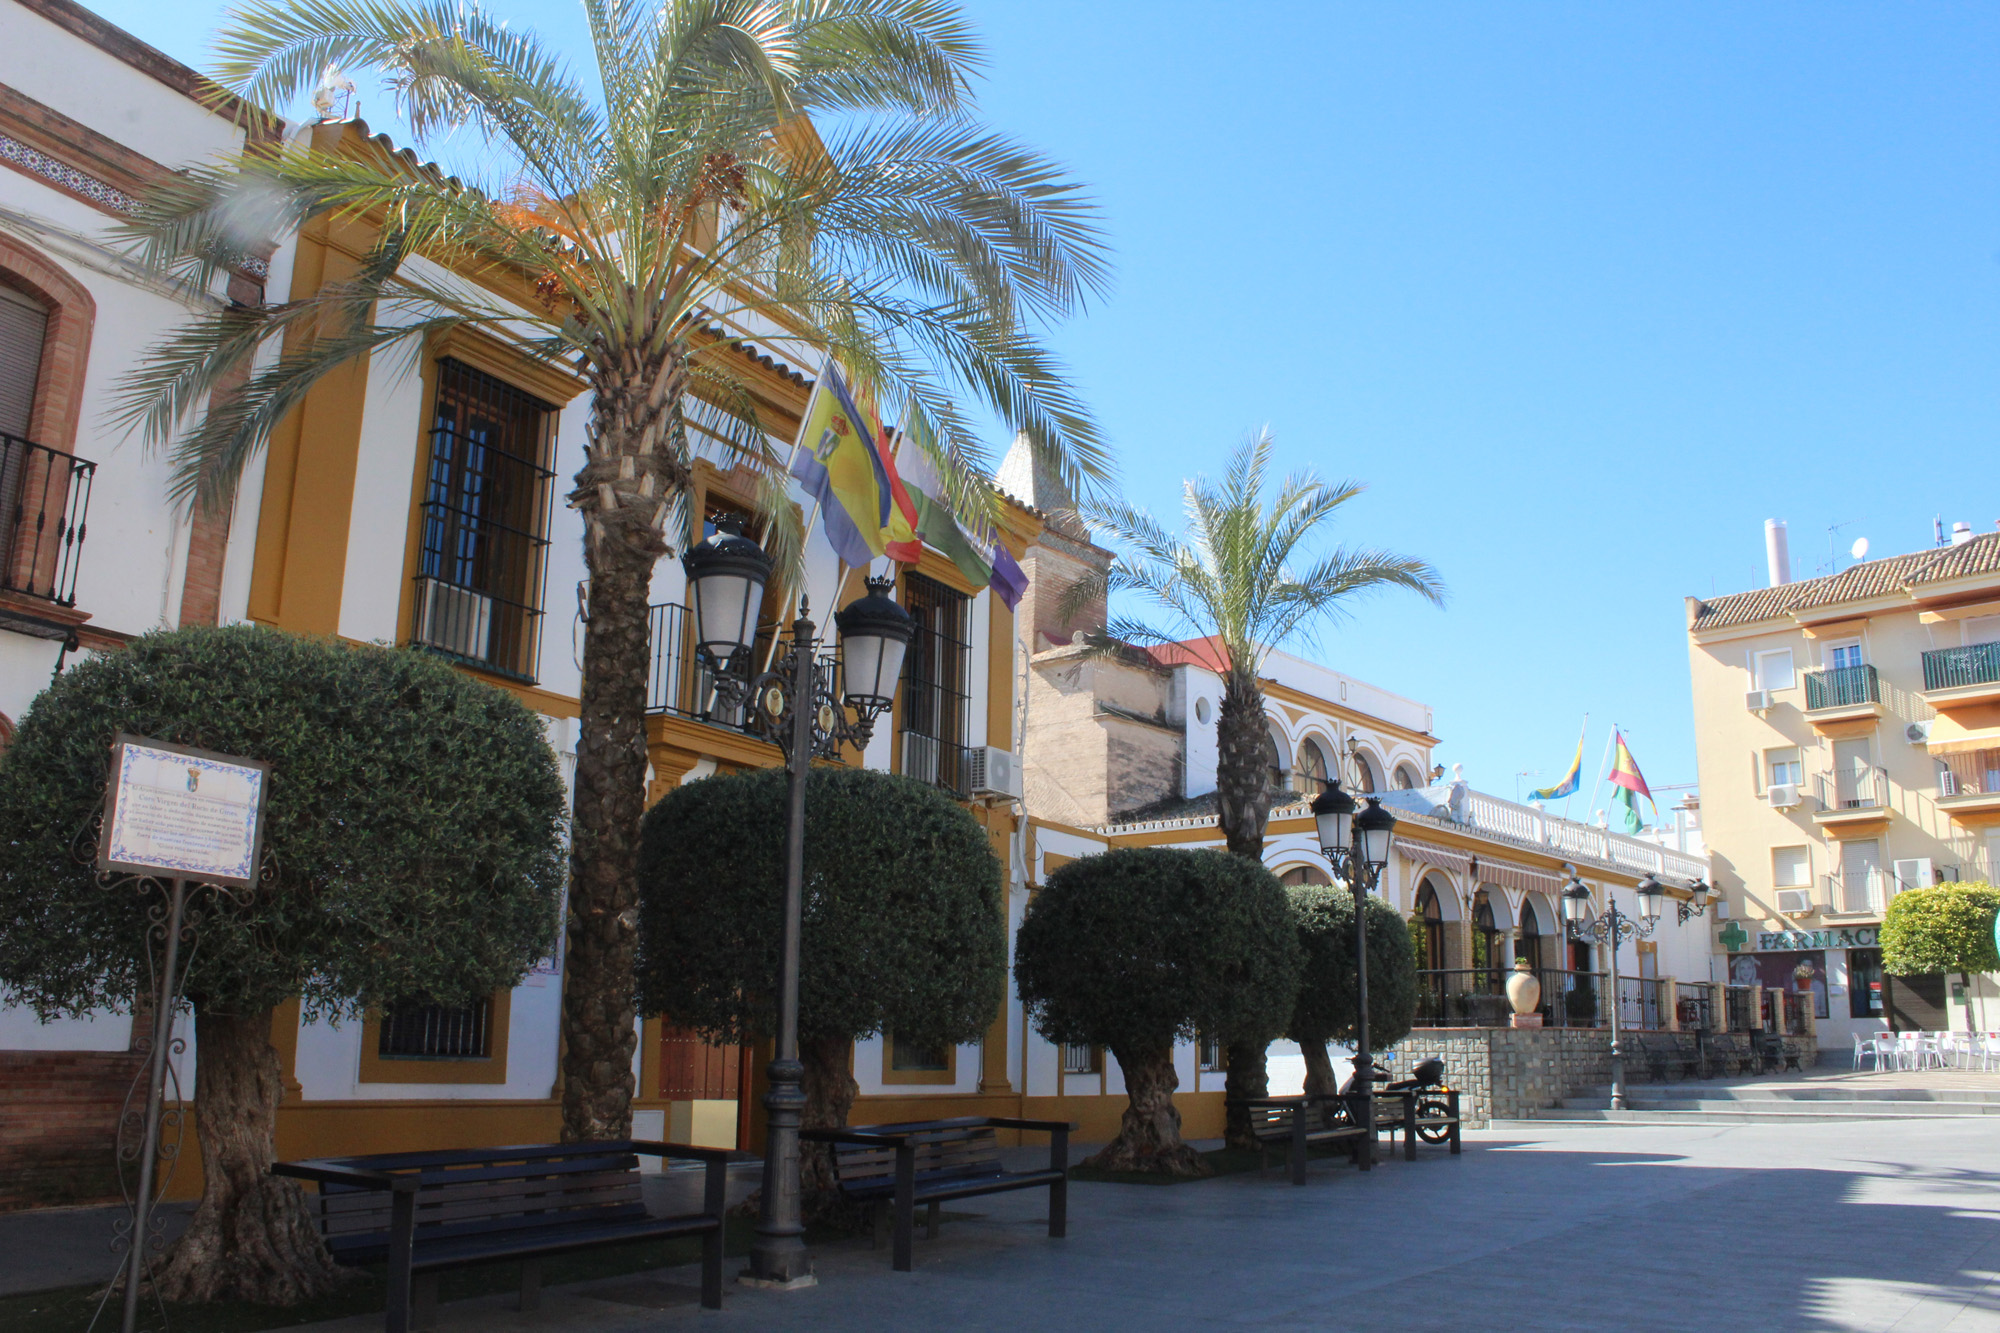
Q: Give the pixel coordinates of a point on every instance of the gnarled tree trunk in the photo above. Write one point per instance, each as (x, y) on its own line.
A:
(251, 1238)
(1320, 1081)
(1149, 1133)
(623, 492)
(830, 1092)
(1243, 795)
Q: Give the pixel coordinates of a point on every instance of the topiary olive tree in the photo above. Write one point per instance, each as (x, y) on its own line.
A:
(904, 928)
(1946, 928)
(412, 828)
(1137, 948)
(1326, 1008)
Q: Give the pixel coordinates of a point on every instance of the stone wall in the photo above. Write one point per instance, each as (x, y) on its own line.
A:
(1512, 1073)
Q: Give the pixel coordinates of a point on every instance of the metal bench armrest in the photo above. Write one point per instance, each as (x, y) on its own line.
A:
(852, 1136)
(346, 1175)
(682, 1151)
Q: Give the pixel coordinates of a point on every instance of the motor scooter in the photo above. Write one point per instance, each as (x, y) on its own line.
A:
(1428, 1075)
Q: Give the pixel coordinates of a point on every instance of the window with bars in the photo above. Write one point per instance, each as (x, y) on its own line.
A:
(918, 1057)
(1208, 1053)
(936, 699)
(1082, 1058)
(420, 1031)
(485, 519)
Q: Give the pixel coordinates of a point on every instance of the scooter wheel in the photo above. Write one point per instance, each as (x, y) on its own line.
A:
(1433, 1133)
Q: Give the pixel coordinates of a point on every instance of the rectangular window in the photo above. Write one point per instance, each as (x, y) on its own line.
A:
(1842, 656)
(1081, 1058)
(1860, 877)
(908, 1057)
(420, 1031)
(1980, 629)
(24, 327)
(485, 517)
(1208, 1054)
(1791, 867)
(1773, 669)
(1782, 766)
(936, 702)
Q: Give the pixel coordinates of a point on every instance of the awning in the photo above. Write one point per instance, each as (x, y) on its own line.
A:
(1949, 735)
(1526, 879)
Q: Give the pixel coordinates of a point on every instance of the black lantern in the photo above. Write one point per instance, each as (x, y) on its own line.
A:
(1650, 892)
(1333, 812)
(726, 574)
(874, 633)
(1576, 902)
(1700, 890)
(1372, 828)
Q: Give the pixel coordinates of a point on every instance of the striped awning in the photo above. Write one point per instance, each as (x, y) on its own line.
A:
(1952, 735)
(1489, 870)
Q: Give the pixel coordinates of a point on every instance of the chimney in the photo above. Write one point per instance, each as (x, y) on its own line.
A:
(1777, 552)
(1961, 533)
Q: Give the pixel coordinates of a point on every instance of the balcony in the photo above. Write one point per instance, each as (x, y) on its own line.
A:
(44, 496)
(1851, 796)
(1842, 693)
(1968, 675)
(941, 763)
(1969, 783)
(1860, 894)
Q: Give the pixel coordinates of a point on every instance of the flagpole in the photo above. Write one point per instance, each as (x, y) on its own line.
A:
(1608, 741)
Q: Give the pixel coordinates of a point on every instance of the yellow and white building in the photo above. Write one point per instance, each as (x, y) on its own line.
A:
(1848, 734)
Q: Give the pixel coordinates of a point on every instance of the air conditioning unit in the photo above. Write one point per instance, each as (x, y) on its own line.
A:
(1796, 902)
(1783, 795)
(1917, 733)
(1757, 700)
(455, 619)
(993, 772)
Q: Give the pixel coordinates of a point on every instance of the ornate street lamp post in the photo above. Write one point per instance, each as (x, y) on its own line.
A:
(1611, 928)
(794, 706)
(1358, 847)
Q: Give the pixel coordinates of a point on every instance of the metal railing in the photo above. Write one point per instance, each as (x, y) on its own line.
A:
(1477, 998)
(1976, 773)
(679, 684)
(941, 763)
(1852, 788)
(1694, 1004)
(1642, 1004)
(1862, 892)
(436, 1032)
(1569, 839)
(1842, 687)
(1739, 1009)
(1950, 668)
(44, 504)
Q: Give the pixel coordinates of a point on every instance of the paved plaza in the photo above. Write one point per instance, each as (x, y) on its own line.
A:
(1817, 1226)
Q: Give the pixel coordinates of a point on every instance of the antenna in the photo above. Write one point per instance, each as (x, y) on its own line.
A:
(1832, 565)
(1860, 548)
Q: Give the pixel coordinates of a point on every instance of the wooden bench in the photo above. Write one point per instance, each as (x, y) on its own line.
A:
(929, 1161)
(1301, 1122)
(424, 1212)
(1430, 1114)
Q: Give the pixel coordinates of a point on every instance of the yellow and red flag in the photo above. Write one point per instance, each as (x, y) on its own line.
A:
(1626, 777)
(843, 461)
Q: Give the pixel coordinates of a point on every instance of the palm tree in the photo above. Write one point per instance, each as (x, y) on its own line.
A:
(809, 166)
(1232, 581)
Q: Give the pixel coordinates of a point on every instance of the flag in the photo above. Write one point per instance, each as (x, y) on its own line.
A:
(981, 560)
(1631, 786)
(842, 460)
(1568, 786)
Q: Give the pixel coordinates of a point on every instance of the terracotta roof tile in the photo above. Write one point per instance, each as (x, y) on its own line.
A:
(1857, 583)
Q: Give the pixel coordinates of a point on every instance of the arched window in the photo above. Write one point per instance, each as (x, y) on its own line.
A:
(1274, 764)
(1430, 927)
(1407, 779)
(1304, 875)
(24, 327)
(1314, 771)
(1528, 943)
(1485, 936)
(1364, 773)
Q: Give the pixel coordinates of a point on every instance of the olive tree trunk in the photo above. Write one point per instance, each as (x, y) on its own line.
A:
(1149, 1133)
(830, 1091)
(624, 492)
(1243, 795)
(1320, 1081)
(251, 1238)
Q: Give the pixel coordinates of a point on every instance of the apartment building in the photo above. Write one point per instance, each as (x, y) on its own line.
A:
(1848, 733)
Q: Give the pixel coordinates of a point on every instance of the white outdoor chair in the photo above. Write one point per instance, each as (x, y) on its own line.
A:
(1946, 1045)
(1989, 1050)
(1908, 1052)
(1864, 1050)
(1883, 1044)
(1932, 1051)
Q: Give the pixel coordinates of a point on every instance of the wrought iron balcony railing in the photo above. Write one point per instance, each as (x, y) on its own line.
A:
(44, 499)
(1852, 788)
(1952, 668)
(1842, 687)
(1969, 773)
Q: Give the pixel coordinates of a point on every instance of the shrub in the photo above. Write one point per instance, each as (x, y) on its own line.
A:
(1326, 1008)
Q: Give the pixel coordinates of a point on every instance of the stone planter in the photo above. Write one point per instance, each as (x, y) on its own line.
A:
(1524, 988)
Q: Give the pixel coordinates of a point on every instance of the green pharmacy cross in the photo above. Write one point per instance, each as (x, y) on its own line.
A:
(1733, 936)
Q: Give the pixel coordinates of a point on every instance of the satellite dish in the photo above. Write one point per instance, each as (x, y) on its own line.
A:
(1860, 548)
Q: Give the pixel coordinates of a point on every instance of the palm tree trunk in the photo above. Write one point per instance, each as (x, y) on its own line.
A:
(251, 1238)
(621, 492)
(1243, 793)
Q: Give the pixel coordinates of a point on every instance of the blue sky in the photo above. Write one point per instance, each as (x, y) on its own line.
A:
(1584, 293)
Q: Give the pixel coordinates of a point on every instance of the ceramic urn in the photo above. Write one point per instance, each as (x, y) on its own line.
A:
(1524, 988)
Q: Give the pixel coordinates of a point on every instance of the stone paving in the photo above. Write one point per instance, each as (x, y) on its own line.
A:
(1572, 1227)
